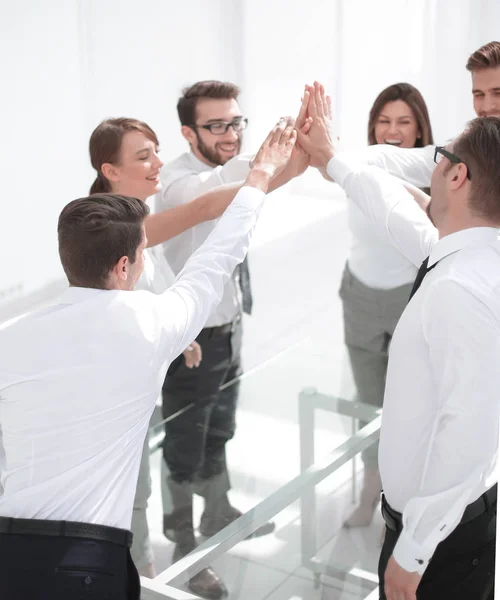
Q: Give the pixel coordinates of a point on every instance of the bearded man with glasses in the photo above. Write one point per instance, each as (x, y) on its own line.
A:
(201, 417)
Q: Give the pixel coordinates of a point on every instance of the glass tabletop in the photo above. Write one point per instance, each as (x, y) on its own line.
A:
(290, 461)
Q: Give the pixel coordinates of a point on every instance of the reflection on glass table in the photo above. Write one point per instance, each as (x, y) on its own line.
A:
(291, 461)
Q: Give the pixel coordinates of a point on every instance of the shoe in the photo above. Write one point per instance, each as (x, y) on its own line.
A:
(209, 526)
(369, 498)
(170, 534)
(206, 583)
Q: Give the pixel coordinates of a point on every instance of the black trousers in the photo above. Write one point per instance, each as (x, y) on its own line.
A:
(195, 442)
(36, 567)
(463, 566)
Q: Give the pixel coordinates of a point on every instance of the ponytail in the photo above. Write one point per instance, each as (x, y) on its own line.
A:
(100, 185)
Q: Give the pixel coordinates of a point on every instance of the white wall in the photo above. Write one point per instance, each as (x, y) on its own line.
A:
(42, 154)
(67, 64)
(357, 48)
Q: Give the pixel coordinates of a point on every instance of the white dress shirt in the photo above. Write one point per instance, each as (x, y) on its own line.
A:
(373, 259)
(439, 436)
(414, 165)
(183, 180)
(79, 382)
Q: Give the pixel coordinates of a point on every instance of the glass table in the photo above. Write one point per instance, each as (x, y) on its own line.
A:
(293, 460)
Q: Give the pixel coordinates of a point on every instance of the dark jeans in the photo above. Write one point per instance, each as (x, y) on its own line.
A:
(195, 442)
(35, 567)
(463, 566)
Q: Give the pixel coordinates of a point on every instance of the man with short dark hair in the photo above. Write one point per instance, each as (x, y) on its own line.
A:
(194, 448)
(79, 382)
(439, 435)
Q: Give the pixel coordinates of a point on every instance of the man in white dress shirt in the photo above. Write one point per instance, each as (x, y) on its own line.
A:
(79, 381)
(439, 436)
(195, 441)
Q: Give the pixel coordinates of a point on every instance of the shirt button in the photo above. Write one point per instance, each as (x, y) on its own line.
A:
(475, 561)
(88, 580)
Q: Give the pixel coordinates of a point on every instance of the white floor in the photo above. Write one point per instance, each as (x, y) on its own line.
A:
(293, 340)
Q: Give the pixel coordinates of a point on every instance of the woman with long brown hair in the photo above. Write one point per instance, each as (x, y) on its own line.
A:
(377, 279)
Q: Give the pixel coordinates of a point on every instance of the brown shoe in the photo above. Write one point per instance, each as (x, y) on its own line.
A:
(209, 526)
(208, 584)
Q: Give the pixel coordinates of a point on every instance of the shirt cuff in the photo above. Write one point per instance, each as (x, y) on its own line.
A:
(249, 196)
(339, 167)
(409, 555)
(236, 169)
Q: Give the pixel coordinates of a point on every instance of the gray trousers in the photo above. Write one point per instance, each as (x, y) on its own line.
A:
(370, 318)
(141, 551)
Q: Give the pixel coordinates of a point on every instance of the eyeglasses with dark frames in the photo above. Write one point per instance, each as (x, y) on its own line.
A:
(440, 151)
(221, 127)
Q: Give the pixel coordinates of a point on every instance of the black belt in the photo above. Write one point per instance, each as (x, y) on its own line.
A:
(90, 531)
(394, 519)
(220, 330)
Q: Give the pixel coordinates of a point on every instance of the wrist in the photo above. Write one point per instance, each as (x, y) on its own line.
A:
(325, 155)
(260, 177)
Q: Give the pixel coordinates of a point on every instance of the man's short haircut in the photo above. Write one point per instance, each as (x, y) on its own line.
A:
(487, 57)
(95, 232)
(479, 148)
(186, 106)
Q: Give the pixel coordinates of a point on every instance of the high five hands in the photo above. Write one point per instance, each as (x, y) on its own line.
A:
(317, 141)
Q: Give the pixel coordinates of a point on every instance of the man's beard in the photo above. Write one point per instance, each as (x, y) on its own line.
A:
(212, 154)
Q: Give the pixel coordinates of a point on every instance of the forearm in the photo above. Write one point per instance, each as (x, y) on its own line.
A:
(167, 224)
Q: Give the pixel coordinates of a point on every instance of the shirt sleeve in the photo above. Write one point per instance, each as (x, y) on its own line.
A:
(189, 184)
(464, 345)
(389, 206)
(414, 165)
(186, 306)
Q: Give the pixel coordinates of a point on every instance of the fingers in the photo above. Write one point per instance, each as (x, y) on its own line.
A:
(277, 131)
(301, 117)
(192, 355)
(290, 139)
(307, 126)
(319, 99)
(329, 107)
(305, 141)
(313, 106)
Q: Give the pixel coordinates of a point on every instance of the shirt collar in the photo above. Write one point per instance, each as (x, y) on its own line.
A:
(199, 165)
(73, 295)
(461, 239)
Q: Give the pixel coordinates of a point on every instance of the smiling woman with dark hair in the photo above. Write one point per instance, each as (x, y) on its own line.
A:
(377, 279)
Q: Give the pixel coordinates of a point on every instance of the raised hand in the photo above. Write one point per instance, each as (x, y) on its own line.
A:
(276, 151)
(318, 142)
(299, 160)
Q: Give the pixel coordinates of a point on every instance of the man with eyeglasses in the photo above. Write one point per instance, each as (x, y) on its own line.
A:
(440, 425)
(200, 415)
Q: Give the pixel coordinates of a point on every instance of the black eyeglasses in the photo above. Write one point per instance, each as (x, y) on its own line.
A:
(439, 150)
(221, 127)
